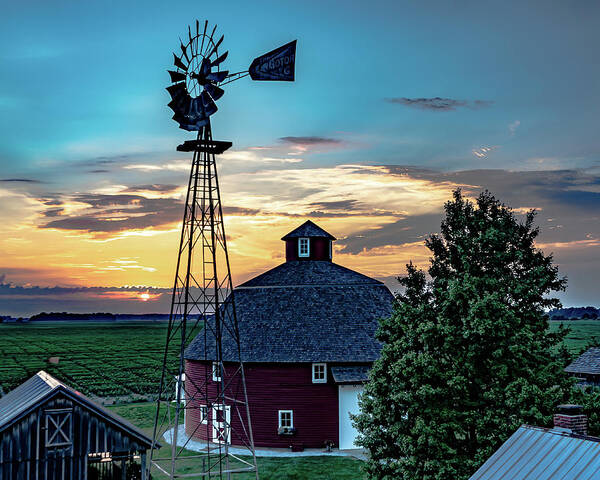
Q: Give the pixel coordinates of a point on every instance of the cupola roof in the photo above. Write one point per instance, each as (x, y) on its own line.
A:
(308, 229)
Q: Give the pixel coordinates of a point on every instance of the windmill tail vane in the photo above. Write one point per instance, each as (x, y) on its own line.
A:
(218, 443)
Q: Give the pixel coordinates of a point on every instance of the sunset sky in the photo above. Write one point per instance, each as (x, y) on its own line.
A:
(395, 104)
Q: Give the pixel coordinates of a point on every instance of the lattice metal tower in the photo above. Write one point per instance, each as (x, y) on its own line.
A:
(203, 301)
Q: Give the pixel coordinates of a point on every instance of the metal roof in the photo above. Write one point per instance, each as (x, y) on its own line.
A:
(308, 229)
(25, 395)
(41, 386)
(543, 454)
(350, 374)
(587, 362)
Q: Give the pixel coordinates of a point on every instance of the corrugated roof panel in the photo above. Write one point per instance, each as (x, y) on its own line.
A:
(22, 397)
(534, 453)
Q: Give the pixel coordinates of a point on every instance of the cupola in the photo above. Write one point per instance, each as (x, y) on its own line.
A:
(308, 242)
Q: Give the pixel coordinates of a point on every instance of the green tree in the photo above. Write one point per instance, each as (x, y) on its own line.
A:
(467, 356)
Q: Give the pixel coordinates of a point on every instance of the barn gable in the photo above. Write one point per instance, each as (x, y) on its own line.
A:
(42, 387)
(49, 430)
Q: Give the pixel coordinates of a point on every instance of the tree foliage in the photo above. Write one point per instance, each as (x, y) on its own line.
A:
(467, 355)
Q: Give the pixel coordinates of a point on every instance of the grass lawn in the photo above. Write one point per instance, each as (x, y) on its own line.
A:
(297, 468)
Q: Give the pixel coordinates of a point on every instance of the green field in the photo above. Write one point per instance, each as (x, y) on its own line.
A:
(124, 359)
(582, 334)
(121, 359)
(99, 359)
(296, 468)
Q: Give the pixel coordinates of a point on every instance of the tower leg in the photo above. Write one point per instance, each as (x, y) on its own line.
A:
(203, 305)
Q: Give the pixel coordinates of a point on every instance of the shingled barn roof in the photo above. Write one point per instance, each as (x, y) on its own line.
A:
(308, 229)
(588, 362)
(301, 311)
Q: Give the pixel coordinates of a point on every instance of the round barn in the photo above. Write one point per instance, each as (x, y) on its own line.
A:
(307, 332)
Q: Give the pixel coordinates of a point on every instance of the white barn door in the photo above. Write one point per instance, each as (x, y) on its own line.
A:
(221, 422)
(348, 401)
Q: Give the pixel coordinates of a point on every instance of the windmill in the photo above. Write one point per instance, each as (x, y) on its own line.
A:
(202, 299)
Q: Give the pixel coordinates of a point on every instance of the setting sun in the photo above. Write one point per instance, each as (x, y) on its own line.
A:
(144, 297)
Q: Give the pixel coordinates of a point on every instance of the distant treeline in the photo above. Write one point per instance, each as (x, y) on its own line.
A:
(575, 313)
(86, 317)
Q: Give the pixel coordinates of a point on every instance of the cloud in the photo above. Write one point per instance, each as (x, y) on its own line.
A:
(512, 127)
(53, 212)
(255, 157)
(19, 180)
(310, 140)
(7, 288)
(240, 211)
(483, 152)
(155, 187)
(102, 213)
(438, 104)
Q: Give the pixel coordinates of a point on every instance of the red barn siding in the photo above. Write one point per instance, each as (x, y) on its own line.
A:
(273, 387)
(318, 249)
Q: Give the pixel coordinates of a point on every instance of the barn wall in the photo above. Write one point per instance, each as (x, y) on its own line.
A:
(23, 451)
(273, 387)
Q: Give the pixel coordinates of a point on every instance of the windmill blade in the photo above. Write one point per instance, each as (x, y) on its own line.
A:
(214, 91)
(205, 66)
(214, 49)
(203, 35)
(176, 76)
(210, 38)
(183, 51)
(190, 33)
(217, 77)
(180, 103)
(219, 59)
(210, 106)
(179, 64)
(176, 107)
(177, 91)
(196, 109)
(197, 27)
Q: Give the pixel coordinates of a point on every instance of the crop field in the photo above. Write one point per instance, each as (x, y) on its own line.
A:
(99, 359)
(583, 333)
(124, 359)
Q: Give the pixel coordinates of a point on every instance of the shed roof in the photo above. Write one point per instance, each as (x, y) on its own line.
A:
(308, 229)
(587, 362)
(313, 311)
(350, 373)
(41, 386)
(543, 454)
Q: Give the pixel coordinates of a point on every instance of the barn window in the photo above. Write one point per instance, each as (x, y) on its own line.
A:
(216, 372)
(303, 247)
(203, 413)
(319, 373)
(286, 419)
(59, 426)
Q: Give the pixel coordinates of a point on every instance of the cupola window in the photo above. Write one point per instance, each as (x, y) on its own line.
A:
(303, 247)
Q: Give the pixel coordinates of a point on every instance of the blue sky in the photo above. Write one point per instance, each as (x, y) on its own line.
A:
(457, 88)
